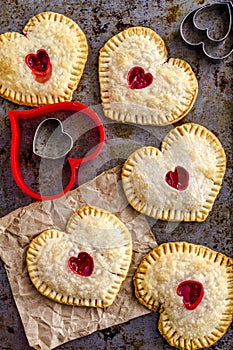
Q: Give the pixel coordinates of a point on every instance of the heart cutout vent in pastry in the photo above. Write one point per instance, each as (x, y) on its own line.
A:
(180, 182)
(178, 178)
(137, 82)
(138, 79)
(192, 293)
(45, 64)
(39, 62)
(85, 266)
(206, 277)
(40, 65)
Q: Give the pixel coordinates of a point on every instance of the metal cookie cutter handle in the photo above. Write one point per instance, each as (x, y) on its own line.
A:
(193, 17)
(14, 117)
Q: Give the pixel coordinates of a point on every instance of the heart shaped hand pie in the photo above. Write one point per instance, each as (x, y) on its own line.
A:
(179, 183)
(85, 266)
(193, 286)
(45, 64)
(139, 85)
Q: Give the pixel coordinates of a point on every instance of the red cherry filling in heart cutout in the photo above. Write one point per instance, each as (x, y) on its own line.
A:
(192, 293)
(178, 179)
(138, 79)
(40, 65)
(82, 265)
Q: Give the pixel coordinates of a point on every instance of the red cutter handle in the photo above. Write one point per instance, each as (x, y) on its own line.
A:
(74, 163)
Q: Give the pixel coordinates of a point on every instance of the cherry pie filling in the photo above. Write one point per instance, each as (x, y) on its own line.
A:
(40, 65)
(82, 265)
(178, 179)
(138, 79)
(192, 293)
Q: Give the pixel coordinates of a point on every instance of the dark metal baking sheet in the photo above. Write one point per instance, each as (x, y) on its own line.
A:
(213, 108)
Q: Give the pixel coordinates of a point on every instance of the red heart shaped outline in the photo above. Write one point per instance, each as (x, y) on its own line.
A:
(192, 293)
(15, 116)
(138, 79)
(82, 265)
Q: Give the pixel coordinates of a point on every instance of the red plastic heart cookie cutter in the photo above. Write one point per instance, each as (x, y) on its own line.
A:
(74, 163)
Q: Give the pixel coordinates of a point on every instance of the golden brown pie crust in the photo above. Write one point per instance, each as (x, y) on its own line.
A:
(157, 278)
(191, 146)
(91, 230)
(171, 94)
(67, 48)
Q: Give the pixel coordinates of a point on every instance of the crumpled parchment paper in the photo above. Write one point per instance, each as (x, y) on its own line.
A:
(49, 324)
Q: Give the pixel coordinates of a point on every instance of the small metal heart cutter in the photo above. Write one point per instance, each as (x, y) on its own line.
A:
(210, 27)
(51, 142)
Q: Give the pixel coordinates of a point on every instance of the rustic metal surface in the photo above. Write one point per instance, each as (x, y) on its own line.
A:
(213, 108)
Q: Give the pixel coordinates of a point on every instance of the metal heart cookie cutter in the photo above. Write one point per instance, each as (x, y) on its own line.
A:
(210, 26)
(51, 142)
